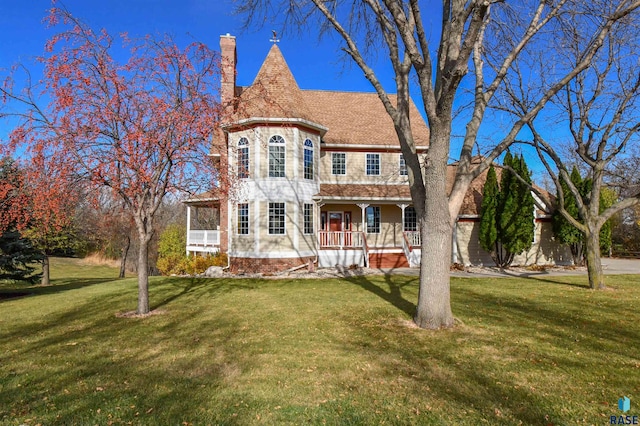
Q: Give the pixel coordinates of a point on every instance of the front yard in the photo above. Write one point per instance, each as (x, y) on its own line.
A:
(334, 351)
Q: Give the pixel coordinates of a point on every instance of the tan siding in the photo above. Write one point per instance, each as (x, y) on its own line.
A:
(356, 169)
(390, 228)
(544, 251)
(276, 242)
(469, 250)
(242, 243)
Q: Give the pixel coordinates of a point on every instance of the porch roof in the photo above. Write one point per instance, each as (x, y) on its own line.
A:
(204, 199)
(394, 194)
(360, 192)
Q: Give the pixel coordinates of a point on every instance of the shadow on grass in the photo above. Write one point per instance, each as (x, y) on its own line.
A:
(393, 295)
(56, 287)
(540, 336)
(545, 276)
(206, 286)
(101, 361)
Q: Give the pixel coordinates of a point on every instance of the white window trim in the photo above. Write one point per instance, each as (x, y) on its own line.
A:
(304, 227)
(401, 161)
(311, 148)
(284, 225)
(379, 220)
(238, 220)
(366, 164)
(345, 164)
(282, 144)
(246, 146)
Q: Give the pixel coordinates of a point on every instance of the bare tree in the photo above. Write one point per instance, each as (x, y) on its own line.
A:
(469, 29)
(600, 108)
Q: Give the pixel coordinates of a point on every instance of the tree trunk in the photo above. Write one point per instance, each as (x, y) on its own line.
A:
(143, 274)
(434, 302)
(45, 270)
(594, 262)
(123, 258)
(577, 253)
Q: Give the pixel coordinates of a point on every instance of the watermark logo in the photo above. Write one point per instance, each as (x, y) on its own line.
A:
(624, 405)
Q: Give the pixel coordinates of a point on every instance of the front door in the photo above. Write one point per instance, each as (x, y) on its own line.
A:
(335, 226)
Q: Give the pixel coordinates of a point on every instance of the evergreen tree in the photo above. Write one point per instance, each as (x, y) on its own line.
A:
(488, 212)
(507, 209)
(17, 254)
(513, 214)
(523, 218)
(18, 257)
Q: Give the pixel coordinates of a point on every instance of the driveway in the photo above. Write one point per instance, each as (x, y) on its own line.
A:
(611, 266)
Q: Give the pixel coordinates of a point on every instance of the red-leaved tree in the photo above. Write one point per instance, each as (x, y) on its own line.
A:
(141, 128)
(52, 190)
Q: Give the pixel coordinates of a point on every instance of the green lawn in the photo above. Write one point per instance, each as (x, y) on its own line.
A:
(243, 351)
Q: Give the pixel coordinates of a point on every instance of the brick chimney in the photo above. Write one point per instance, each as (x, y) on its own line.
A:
(228, 67)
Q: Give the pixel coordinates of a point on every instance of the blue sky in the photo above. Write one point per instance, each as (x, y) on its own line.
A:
(316, 64)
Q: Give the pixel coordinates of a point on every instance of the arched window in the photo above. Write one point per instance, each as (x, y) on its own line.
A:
(276, 156)
(243, 158)
(308, 159)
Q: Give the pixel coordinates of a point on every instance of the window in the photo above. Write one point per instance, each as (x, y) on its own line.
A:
(323, 221)
(410, 219)
(276, 156)
(308, 159)
(276, 218)
(243, 219)
(243, 158)
(308, 218)
(403, 166)
(338, 163)
(372, 214)
(373, 164)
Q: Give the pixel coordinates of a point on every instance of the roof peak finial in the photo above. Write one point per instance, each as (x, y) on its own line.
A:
(275, 38)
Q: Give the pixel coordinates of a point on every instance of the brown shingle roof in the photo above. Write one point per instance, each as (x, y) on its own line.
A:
(274, 92)
(360, 191)
(473, 198)
(356, 118)
(353, 118)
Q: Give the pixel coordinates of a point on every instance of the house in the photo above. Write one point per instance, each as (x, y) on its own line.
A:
(318, 175)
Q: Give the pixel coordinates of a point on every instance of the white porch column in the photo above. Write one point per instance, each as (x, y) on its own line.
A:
(402, 207)
(188, 228)
(363, 207)
(318, 223)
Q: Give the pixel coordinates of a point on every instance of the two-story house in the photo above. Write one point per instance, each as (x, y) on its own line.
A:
(317, 176)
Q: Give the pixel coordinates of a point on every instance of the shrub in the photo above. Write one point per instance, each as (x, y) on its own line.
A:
(173, 241)
(173, 264)
(180, 264)
(199, 264)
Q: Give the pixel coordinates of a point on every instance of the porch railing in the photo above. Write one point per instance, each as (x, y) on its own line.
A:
(341, 239)
(203, 237)
(412, 238)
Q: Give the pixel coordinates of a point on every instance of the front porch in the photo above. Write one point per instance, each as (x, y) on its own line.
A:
(372, 235)
(203, 225)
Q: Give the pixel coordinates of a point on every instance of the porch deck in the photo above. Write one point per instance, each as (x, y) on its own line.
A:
(203, 241)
